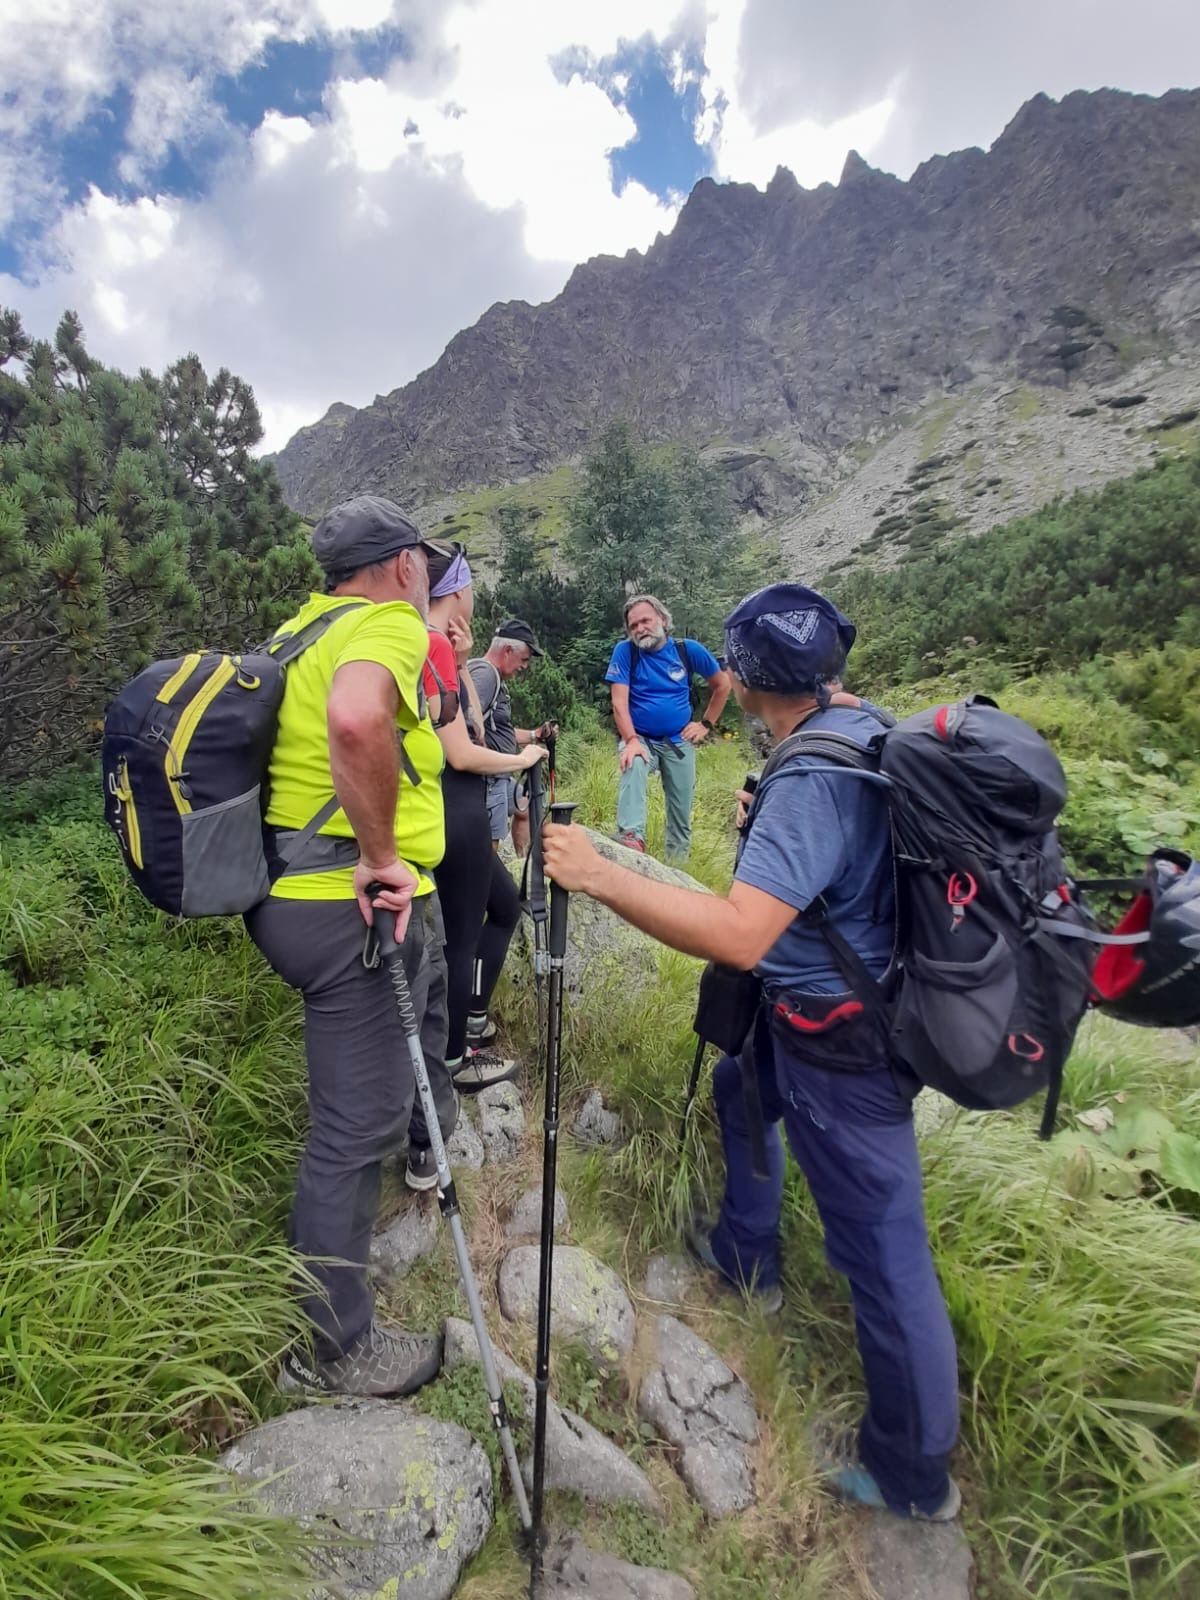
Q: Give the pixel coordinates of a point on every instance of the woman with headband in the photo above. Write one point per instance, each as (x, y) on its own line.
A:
(468, 877)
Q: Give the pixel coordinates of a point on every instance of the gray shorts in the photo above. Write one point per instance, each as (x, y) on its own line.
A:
(501, 802)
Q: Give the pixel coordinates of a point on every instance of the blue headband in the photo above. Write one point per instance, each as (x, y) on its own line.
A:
(457, 576)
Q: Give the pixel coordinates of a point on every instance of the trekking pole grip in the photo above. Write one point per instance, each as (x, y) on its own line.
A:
(560, 814)
(383, 924)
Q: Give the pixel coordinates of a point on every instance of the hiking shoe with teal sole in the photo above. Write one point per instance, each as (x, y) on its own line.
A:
(856, 1486)
(768, 1297)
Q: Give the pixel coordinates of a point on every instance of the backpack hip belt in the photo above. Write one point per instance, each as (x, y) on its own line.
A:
(319, 852)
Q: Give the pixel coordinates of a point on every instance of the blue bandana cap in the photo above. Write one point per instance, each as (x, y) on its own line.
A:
(787, 639)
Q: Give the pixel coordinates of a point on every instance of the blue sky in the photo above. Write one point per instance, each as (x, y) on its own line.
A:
(321, 193)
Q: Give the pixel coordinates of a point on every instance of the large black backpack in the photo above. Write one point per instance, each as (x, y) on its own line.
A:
(184, 762)
(992, 968)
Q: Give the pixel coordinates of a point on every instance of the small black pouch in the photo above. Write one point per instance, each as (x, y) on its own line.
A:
(726, 1006)
(835, 1032)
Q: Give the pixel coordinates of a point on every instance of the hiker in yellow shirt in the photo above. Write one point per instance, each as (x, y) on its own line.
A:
(354, 733)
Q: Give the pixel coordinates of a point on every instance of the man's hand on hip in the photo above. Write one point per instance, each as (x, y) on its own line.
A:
(398, 885)
(694, 733)
(632, 750)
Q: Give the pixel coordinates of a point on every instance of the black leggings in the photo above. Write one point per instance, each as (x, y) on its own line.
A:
(472, 895)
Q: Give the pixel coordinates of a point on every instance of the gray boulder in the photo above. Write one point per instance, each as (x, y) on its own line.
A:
(589, 1301)
(599, 944)
(595, 1126)
(574, 1572)
(706, 1411)
(578, 1458)
(501, 1121)
(412, 1496)
(916, 1560)
(464, 1147)
(526, 1216)
(932, 1111)
(407, 1239)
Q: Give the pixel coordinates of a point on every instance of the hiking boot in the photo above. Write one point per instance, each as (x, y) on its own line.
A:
(385, 1361)
(479, 1069)
(632, 842)
(768, 1297)
(420, 1171)
(481, 1030)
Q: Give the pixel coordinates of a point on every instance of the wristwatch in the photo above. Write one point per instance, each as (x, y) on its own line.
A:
(709, 725)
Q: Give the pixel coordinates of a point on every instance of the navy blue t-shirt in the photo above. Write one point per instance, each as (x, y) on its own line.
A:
(823, 833)
(660, 698)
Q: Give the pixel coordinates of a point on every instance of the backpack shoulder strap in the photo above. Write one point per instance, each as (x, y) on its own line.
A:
(286, 647)
(824, 746)
(685, 648)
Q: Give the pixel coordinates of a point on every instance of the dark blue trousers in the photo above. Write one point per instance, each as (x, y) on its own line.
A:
(852, 1135)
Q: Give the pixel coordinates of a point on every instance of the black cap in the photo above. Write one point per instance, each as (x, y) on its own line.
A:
(362, 531)
(514, 628)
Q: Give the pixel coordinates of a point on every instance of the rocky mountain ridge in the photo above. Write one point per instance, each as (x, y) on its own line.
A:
(798, 332)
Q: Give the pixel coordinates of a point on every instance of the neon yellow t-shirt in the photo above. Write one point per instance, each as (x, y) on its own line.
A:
(394, 636)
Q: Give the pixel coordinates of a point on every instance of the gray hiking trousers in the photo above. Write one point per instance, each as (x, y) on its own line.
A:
(361, 1089)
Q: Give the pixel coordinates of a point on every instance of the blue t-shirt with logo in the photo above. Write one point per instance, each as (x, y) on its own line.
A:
(824, 833)
(660, 698)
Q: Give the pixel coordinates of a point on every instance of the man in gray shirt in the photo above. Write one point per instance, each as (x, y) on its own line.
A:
(510, 652)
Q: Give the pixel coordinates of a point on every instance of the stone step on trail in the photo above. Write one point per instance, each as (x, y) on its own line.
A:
(578, 1458)
(573, 1571)
(408, 1238)
(410, 1496)
(526, 1219)
(916, 1560)
(501, 1117)
(589, 1302)
(707, 1412)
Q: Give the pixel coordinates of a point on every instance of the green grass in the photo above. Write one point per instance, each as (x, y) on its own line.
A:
(151, 1099)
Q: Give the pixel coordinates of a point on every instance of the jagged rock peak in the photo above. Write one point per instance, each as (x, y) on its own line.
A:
(855, 169)
(783, 184)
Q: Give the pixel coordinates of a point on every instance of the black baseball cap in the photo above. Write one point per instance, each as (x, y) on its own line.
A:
(364, 530)
(514, 628)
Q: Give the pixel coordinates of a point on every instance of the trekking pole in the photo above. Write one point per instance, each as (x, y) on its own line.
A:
(690, 1098)
(560, 812)
(533, 899)
(551, 756)
(389, 951)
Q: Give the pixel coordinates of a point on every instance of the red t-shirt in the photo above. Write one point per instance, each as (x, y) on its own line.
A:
(441, 654)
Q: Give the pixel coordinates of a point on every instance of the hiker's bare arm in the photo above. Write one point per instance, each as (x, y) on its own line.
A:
(464, 756)
(738, 930)
(364, 760)
(620, 709)
(718, 692)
